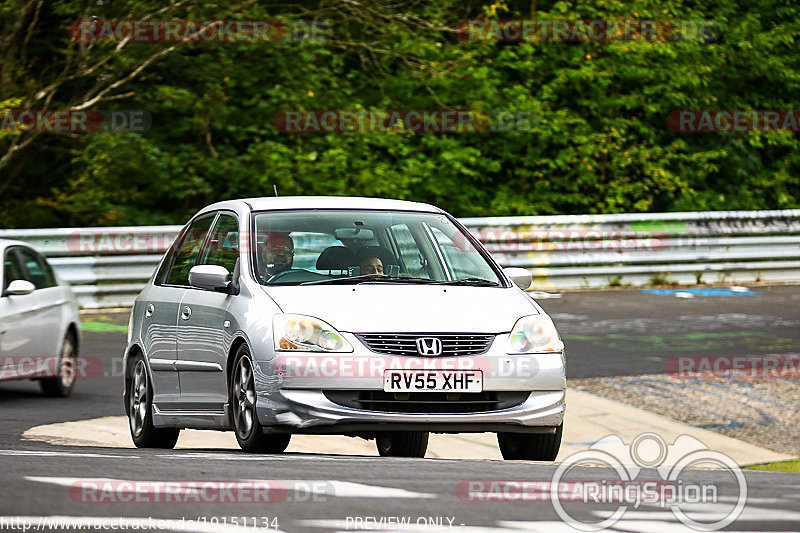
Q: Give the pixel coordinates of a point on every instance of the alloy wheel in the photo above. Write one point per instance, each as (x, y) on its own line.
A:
(138, 401)
(244, 398)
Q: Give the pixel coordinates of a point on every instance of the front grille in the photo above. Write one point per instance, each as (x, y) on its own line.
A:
(453, 344)
(428, 402)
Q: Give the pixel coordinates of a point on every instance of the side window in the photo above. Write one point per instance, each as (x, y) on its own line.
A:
(223, 246)
(462, 259)
(11, 268)
(163, 269)
(410, 254)
(37, 268)
(188, 251)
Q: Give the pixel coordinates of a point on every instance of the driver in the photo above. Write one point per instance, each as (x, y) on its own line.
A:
(278, 254)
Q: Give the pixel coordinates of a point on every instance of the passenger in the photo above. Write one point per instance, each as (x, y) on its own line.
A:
(278, 254)
(371, 265)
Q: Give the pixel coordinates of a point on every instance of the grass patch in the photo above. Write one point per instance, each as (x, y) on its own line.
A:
(782, 466)
(661, 279)
(102, 327)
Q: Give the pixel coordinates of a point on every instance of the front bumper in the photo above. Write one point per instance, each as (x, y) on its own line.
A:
(291, 392)
(309, 411)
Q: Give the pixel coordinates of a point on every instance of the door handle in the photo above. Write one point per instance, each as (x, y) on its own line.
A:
(149, 311)
(186, 313)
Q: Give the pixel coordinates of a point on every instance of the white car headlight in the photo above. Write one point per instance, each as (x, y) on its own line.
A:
(534, 333)
(306, 334)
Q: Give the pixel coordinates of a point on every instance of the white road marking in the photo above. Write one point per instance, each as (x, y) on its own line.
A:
(42, 453)
(646, 524)
(320, 487)
(125, 523)
(236, 455)
(341, 525)
(639, 526)
(349, 489)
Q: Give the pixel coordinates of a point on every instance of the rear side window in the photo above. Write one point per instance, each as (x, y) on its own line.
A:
(188, 251)
(12, 270)
(38, 271)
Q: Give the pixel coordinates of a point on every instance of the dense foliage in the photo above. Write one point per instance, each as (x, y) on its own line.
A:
(599, 142)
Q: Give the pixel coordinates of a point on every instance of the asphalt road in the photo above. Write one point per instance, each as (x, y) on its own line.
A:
(630, 332)
(606, 333)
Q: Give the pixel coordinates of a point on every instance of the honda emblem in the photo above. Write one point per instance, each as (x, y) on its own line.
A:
(429, 346)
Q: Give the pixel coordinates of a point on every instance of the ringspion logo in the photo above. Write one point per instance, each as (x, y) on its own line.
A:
(677, 490)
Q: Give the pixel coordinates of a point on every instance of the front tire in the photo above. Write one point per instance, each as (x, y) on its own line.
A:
(140, 411)
(402, 443)
(530, 446)
(62, 384)
(249, 431)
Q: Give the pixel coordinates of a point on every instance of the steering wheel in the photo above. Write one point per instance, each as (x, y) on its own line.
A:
(292, 272)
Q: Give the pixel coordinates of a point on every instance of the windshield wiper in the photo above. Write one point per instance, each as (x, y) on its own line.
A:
(368, 278)
(479, 282)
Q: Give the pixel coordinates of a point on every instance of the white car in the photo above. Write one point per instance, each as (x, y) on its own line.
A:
(380, 319)
(39, 324)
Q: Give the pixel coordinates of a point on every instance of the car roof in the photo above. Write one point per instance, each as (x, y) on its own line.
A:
(269, 203)
(5, 243)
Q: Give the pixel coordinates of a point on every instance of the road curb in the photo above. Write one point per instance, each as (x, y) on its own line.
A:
(589, 418)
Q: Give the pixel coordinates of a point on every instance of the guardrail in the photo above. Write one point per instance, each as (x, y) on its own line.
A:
(573, 251)
(108, 266)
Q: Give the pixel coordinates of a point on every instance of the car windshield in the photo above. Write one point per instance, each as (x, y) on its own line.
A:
(363, 246)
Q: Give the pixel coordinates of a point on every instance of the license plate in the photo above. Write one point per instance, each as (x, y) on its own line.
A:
(433, 381)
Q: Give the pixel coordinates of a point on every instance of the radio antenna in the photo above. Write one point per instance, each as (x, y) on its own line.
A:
(275, 189)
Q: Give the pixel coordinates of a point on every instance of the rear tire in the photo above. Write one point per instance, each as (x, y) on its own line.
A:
(61, 385)
(140, 411)
(244, 419)
(402, 443)
(530, 446)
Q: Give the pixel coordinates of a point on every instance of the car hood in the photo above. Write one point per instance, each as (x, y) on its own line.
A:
(378, 308)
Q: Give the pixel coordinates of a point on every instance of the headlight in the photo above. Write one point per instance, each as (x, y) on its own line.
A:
(534, 333)
(306, 334)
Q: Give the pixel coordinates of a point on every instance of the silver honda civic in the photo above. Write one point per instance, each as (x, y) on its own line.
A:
(379, 319)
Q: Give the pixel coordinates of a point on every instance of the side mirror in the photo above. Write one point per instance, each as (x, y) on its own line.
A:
(19, 287)
(210, 277)
(521, 277)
